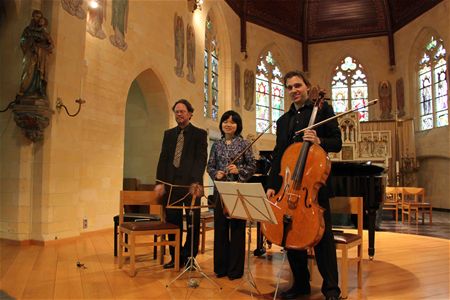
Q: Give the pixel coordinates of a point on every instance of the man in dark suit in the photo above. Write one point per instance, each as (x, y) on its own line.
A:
(182, 162)
(328, 136)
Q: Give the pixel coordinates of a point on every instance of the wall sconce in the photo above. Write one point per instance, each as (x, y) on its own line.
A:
(195, 4)
(60, 104)
(9, 106)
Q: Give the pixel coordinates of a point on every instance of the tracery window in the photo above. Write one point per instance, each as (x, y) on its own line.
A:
(211, 72)
(349, 88)
(433, 89)
(269, 93)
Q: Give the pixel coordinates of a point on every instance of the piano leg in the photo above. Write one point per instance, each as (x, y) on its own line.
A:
(371, 218)
(260, 250)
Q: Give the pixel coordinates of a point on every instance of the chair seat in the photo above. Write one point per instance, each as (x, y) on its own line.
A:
(206, 214)
(346, 238)
(137, 216)
(142, 226)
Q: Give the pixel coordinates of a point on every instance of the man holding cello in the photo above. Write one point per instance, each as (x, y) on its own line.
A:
(328, 136)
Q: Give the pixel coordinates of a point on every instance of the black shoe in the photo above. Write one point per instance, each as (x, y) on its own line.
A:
(169, 265)
(234, 277)
(220, 275)
(295, 292)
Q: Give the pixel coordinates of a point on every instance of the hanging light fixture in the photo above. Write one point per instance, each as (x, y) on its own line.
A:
(195, 4)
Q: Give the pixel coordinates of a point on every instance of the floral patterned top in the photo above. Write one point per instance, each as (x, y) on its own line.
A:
(222, 154)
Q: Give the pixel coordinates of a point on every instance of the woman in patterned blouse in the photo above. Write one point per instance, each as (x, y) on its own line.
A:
(229, 234)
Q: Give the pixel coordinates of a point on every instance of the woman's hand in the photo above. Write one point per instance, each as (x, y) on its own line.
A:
(220, 175)
(270, 193)
(233, 169)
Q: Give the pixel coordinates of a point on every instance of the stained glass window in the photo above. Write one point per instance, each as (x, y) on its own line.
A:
(269, 93)
(433, 89)
(211, 72)
(349, 88)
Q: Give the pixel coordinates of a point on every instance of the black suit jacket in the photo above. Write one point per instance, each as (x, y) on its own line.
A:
(193, 157)
(291, 121)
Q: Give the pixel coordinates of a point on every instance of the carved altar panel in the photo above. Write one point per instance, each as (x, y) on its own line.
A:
(374, 145)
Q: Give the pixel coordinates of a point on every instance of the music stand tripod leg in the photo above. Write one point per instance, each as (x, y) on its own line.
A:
(192, 264)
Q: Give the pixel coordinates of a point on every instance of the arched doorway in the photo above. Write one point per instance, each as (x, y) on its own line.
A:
(146, 118)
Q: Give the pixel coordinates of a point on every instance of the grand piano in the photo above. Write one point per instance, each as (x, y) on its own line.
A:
(348, 179)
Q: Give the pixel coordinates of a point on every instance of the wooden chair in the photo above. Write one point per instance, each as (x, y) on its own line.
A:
(414, 203)
(205, 218)
(345, 241)
(135, 213)
(136, 231)
(391, 200)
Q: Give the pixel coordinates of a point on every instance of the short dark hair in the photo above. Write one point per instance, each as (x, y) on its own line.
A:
(297, 73)
(236, 119)
(188, 105)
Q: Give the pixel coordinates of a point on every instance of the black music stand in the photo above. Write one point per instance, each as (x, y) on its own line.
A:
(246, 201)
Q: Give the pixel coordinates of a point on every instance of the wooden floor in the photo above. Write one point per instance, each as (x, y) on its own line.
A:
(405, 267)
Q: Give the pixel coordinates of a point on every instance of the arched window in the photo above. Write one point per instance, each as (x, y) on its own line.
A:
(269, 93)
(433, 89)
(211, 72)
(349, 88)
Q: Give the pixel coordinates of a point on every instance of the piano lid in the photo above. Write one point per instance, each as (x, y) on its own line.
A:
(355, 168)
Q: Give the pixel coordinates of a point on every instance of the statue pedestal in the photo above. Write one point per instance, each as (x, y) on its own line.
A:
(32, 114)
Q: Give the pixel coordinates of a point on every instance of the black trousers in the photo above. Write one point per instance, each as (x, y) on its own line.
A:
(325, 252)
(175, 216)
(229, 243)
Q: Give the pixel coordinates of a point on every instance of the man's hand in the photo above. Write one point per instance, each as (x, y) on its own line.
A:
(160, 189)
(310, 135)
(196, 190)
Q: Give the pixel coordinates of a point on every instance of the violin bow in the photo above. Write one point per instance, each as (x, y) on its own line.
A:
(374, 101)
(249, 146)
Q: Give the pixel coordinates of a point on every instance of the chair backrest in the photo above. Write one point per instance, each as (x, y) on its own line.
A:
(394, 193)
(145, 198)
(349, 205)
(414, 194)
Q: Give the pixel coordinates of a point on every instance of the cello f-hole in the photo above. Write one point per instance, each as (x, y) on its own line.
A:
(307, 205)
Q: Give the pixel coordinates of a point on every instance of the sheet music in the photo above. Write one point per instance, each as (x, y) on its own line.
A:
(246, 201)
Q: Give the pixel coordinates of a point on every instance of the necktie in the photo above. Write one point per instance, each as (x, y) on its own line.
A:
(178, 149)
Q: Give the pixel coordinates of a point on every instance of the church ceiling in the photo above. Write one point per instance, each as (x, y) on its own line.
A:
(328, 20)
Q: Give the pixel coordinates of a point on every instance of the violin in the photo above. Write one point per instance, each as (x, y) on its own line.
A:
(305, 168)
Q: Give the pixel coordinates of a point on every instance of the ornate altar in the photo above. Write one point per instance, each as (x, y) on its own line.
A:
(385, 143)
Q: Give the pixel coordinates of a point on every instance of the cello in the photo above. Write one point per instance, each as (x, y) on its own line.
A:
(304, 167)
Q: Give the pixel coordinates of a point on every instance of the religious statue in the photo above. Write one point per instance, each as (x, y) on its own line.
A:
(237, 84)
(190, 53)
(178, 32)
(36, 45)
(74, 8)
(32, 109)
(400, 89)
(95, 20)
(119, 22)
(249, 89)
(385, 94)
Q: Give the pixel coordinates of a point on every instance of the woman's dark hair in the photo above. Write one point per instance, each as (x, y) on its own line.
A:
(188, 105)
(236, 119)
